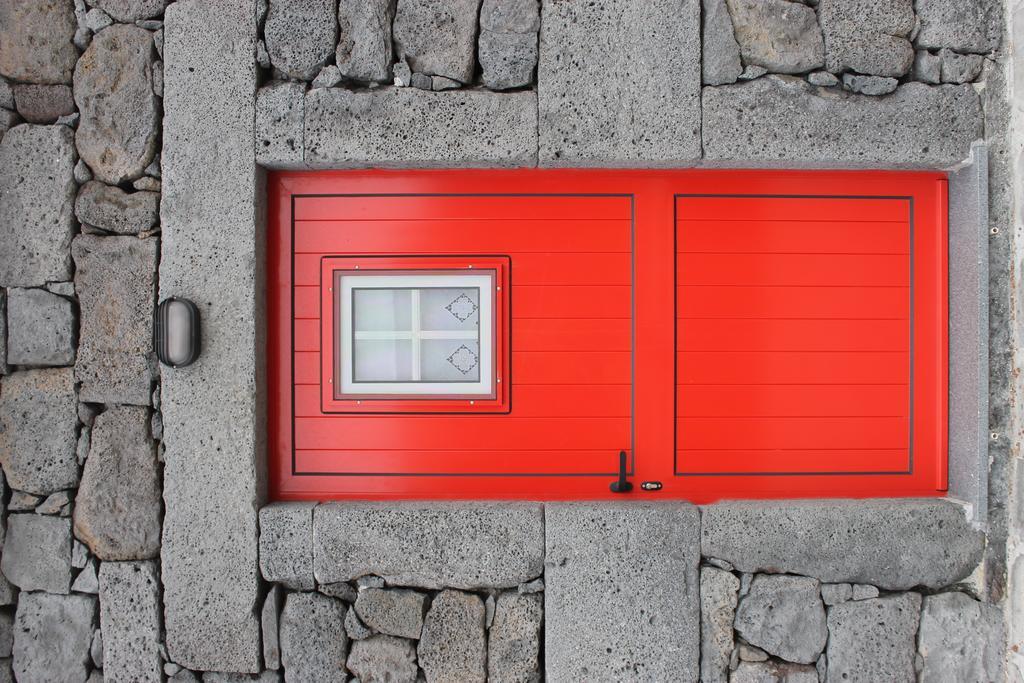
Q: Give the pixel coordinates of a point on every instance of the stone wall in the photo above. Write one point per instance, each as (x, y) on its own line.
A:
(149, 558)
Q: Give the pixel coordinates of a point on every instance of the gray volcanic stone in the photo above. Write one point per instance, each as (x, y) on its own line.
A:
(8, 120)
(438, 37)
(6, 94)
(873, 640)
(783, 615)
(508, 42)
(392, 611)
(355, 628)
(364, 49)
(823, 79)
(37, 182)
(300, 35)
(328, 77)
(44, 103)
(513, 639)
(117, 135)
(270, 619)
(339, 589)
(111, 208)
(115, 280)
(4, 369)
(597, 107)
(779, 35)
(87, 580)
(96, 648)
(453, 648)
(460, 545)
(835, 593)
(313, 641)
(117, 511)
(54, 633)
(37, 553)
(127, 11)
(38, 419)
(869, 85)
(964, 25)
(957, 68)
(286, 544)
(130, 621)
(960, 639)
(773, 672)
(466, 128)
(597, 583)
(41, 328)
(6, 633)
(280, 109)
(927, 67)
(35, 40)
(720, 62)
(867, 36)
(781, 120)
(231, 677)
(863, 592)
(383, 659)
(718, 590)
(96, 20)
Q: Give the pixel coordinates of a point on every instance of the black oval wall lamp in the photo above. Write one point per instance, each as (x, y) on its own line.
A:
(176, 332)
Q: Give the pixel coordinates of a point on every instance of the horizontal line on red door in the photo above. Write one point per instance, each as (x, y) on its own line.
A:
(733, 284)
(796, 253)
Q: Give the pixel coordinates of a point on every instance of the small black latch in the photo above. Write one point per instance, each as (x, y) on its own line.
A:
(622, 485)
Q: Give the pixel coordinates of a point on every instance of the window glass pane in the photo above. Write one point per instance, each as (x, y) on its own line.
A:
(381, 360)
(450, 308)
(450, 360)
(382, 309)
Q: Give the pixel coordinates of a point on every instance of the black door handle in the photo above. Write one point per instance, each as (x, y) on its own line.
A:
(622, 485)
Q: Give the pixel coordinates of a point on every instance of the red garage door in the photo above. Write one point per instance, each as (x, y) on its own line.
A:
(509, 334)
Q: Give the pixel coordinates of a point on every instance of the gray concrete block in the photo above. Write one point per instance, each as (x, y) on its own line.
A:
(965, 25)
(960, 639)
(37, 553)
(280, 110)
(718, 590)
(873, 640)
(313, 641)
(286, 544)
(43, 620)
(407, 127)
(300, 35)
(890, 543)
(621, 596)
(115, 279)
(213, 472)
(867, 36)
(459, 545)
(453, 647)
(784, 121)
(38, 421)
(130, 621)
(783, 616)
(395, 612)
(37, 182)
(619, 83)
(41, 328)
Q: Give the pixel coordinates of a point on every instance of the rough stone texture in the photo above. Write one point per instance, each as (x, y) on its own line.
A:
(513, 641)
(718, 590)
(822, 78)
(927, 67)
(42, 328)
(115, 279)
(779, 35)
(4, 369)
(38, 418)
(117, 135)
(773, 672)
(964, 25)
(37, 553)
(364, 47)
(775, 120)
(783, 616)
(873, 640)
(863, 592)
(957, 68)
(869, 85)
(35, 40)
(463, 128)
(313, 641)
(280, 110)
(128, 11)
(594, 629)
(300, 35)
(130, 621)
(87, 580)
(508, 42)
(867, 36)
(213, 460)
(453, 648)
(720, 62)
(438, 38)
(459, 545)
(117, 511)
(286, 544)
(269, 626)
(835, 593)
(328, 77)
(111, 208)
(383, 659)
(355, 628)
(598, 106)
(960, 639)
(37, 182)
(392, 611)
(44, 103)
(54, 633)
